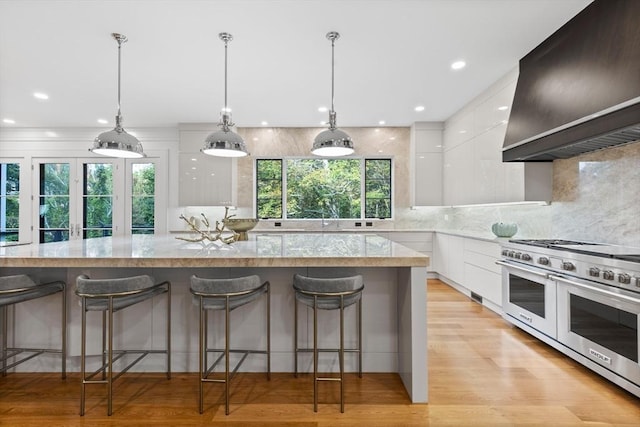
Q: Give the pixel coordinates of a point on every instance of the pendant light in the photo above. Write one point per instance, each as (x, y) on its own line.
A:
(332, 142)
(117, 142)
(225, 142)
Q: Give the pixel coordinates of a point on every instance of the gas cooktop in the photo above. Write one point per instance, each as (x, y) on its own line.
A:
(626, 253)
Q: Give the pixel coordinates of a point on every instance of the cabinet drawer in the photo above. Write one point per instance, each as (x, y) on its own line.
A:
(482, 261)
(483, 247)
(484, 283)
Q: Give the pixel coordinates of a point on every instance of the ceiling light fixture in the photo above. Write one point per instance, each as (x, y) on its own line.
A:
(458, 65)
(9, 121)
(419, 108)
(117, 142)
(40, 95)
(225, 142)
(332, 142)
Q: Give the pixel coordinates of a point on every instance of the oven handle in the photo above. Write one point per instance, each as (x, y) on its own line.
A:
(593, 289)
(526, 270)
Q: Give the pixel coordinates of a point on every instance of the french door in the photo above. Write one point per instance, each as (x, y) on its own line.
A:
(75, 198)
(83, 198)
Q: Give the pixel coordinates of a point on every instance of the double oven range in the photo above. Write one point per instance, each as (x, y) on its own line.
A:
(582, 298)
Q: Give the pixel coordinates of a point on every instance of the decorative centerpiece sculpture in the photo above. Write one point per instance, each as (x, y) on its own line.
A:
(238, 228)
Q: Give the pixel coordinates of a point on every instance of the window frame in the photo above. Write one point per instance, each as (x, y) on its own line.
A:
(363, 199)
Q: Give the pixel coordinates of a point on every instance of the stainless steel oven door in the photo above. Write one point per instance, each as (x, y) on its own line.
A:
(600, 323)
(528, 296)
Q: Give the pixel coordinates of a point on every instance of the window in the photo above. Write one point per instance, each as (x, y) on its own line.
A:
(305, 188)
(9, 201)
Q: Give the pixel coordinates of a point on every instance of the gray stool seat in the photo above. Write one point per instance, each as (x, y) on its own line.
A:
(109, 296)
(20, 288)
(328, 294)
(227, 295)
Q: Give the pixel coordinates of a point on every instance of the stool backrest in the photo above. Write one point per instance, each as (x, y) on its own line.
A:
(19, 281)
(224, 286)
(315, 284)
(87, 286)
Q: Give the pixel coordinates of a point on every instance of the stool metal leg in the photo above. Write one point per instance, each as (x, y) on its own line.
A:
(64, 332)
(269, 332)
(5, 330)
(360, 338)
(110, 361)
(341, 354)
(295, 337)
(168, 332)
(315, 354)
(202, 352)
(104, 344)
(83, 354)
(226, 357)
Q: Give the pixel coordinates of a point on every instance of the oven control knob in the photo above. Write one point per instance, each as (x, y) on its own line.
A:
(566, 265)
(505, 252)
(624, 278)
(594, 272)
(543, 260)
(608, 275)
(518, 255)
(637, 282)
(512, 254)
(526, 257)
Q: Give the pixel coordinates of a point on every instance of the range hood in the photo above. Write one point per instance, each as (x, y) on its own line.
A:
(579, 90)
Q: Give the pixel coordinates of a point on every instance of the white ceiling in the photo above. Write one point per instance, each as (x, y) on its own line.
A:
(392, 55)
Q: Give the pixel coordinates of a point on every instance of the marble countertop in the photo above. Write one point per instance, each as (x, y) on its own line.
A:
(261, 250)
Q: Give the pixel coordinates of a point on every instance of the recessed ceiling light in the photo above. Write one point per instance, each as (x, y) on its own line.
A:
(103, 121)
(40, 95)
(458, 65)
(323, 109)
(193, 159)
(419, 108)
(463, 131)
(9, 121)
(381, 122)
(503, 107)
(264, 123)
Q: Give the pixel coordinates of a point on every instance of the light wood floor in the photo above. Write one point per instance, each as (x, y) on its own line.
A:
(482, 372)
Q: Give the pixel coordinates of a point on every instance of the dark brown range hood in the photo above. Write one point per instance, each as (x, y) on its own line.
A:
(579, 90)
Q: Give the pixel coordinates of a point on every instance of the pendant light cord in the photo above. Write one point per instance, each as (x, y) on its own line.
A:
(120, 39)
(226, 43)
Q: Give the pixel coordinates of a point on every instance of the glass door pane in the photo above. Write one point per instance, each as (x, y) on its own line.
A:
(143, 203)
(9, 201)
(54, 200)
(97, 200)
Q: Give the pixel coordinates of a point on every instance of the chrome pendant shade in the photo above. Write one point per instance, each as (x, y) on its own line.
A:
(332, 142)
(117, 142)
(225, 142)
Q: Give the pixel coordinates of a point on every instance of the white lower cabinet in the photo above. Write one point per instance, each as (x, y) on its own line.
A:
(471, 264)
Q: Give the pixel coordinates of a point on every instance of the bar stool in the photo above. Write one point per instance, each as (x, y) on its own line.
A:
(20, 288)
(227, 295)
(328, 294)
(109, 296)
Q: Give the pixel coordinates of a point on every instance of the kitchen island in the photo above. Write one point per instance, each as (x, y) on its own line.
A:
(394, 300)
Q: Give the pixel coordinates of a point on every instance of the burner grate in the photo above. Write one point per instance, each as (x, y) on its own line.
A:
(548, 243)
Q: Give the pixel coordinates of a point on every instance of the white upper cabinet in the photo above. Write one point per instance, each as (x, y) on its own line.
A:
(473, 170)
(203, 180)
(426, 164)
